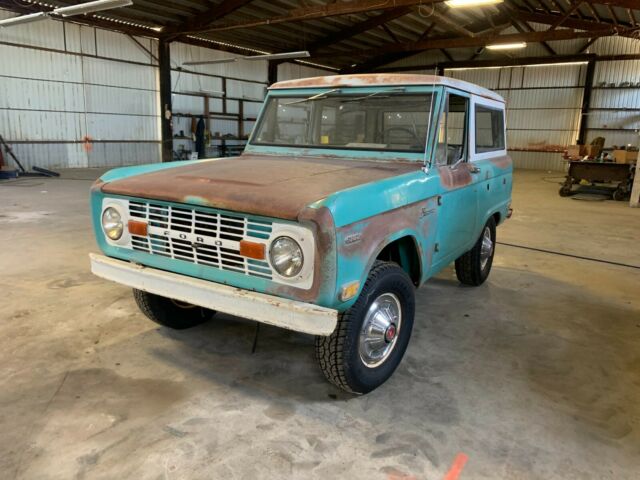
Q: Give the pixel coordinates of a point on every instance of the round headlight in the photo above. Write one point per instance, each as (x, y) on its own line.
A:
(286, 256)
(112, 223)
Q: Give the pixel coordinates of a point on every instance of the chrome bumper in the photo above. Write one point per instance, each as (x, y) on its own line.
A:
(280, 312)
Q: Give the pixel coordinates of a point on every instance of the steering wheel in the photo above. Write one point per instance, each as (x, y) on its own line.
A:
(385, 133)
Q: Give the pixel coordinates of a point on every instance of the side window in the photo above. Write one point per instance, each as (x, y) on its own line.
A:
(489, 129)
(452, 131)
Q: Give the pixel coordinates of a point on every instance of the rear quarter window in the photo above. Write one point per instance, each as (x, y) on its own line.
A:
(489, 129)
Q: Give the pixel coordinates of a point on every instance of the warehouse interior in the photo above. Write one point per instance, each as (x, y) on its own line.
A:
(534, 374)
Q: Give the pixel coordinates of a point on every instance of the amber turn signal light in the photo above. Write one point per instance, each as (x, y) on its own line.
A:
(252, 250)
(137, 228)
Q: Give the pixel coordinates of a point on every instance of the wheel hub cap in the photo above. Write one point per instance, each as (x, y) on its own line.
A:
(486, 249)
(380, 328)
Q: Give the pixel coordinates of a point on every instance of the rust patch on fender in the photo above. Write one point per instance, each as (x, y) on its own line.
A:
(374, 233)
(503, 162)
(457, 177)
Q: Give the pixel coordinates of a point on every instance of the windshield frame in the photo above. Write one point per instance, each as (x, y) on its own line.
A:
(340, 151)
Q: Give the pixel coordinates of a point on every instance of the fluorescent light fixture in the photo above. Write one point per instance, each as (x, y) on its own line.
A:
(211, 62)
(279, 56)
(9, 22)
(267, 56)
(91, 7)
(506, 46)
(471, 3)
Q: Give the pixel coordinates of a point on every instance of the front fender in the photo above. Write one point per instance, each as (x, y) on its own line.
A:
(359, 244)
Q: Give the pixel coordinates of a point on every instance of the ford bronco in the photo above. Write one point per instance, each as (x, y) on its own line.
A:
(352, 192)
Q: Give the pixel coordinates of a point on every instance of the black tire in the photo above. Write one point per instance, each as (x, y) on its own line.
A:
(619, 195)
(339, 354)
(171, 313)
(469, 267)
(565, 191)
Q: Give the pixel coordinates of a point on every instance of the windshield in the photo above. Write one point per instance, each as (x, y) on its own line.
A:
(382, 120)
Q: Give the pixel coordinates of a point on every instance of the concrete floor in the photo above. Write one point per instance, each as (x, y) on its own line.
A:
(534, 375)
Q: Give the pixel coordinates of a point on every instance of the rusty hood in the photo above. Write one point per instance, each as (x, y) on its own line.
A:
(266, 185)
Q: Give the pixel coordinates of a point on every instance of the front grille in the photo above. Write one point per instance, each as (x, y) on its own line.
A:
(205, 237)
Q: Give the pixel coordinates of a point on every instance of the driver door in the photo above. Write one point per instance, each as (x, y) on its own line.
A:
(458, 210)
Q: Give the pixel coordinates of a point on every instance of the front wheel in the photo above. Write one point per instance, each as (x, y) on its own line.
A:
(371, 336)
(171, 313)
(473, 267)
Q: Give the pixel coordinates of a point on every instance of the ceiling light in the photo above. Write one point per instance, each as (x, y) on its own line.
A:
(506, 46)
(90, 7)
(279, 56)
(211, 62)
(471, 3)
(8, 22)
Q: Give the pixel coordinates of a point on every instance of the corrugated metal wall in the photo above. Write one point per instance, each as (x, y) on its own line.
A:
(291, 71)
(61, 83)
(543, 108)
(615, 100)
(544, 102)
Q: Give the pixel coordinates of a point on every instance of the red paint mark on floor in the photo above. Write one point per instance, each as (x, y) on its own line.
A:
(456, 468)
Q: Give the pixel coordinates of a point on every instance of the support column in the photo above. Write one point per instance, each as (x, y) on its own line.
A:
(586, 102)
(272, 76)
(164, 62)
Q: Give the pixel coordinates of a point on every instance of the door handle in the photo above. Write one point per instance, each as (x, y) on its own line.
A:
(474, 169)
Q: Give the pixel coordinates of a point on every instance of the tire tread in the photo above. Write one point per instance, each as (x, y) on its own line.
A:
(330, 350)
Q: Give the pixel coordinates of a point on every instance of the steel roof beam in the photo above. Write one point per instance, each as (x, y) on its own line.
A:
(320, 11)
(483, 40)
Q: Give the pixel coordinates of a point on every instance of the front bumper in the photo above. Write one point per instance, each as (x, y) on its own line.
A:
(280, 312)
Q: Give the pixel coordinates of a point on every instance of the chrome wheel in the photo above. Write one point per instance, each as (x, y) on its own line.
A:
(380, 330)
(487, 247)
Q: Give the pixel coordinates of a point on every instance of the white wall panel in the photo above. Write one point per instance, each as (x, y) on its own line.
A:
(38, 125)
(615, 46)
(19, 93)
(538, 161)
(292, 71)
(121, 127)
(54, 92)
(43, 33)
(116, 45)
(124, 101)
(189, 82)
(189, 104)
(118, 74)
(40, 64)
(617, 72)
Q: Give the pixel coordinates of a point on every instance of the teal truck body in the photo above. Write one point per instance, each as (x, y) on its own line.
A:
(404, 174)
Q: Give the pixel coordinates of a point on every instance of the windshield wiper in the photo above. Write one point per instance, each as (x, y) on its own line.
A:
(317, 96)
(387, 90)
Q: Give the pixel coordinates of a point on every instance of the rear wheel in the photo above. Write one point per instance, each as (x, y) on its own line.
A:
(619, 195)
(171, 313)
(372, 336)
(565, 191)
(474, 267)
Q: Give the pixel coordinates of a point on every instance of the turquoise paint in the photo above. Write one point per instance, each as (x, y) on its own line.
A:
(354, 205)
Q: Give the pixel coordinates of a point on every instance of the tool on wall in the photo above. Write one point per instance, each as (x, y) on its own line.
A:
(22, 172)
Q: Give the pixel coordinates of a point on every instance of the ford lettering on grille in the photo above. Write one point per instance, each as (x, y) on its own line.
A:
(202, 236)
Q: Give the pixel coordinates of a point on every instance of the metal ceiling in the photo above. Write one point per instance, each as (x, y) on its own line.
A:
(364, 35)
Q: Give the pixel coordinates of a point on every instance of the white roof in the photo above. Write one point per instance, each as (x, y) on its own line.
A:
(385, 79)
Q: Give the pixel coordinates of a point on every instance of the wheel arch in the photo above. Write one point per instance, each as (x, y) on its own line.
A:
(403, 249)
